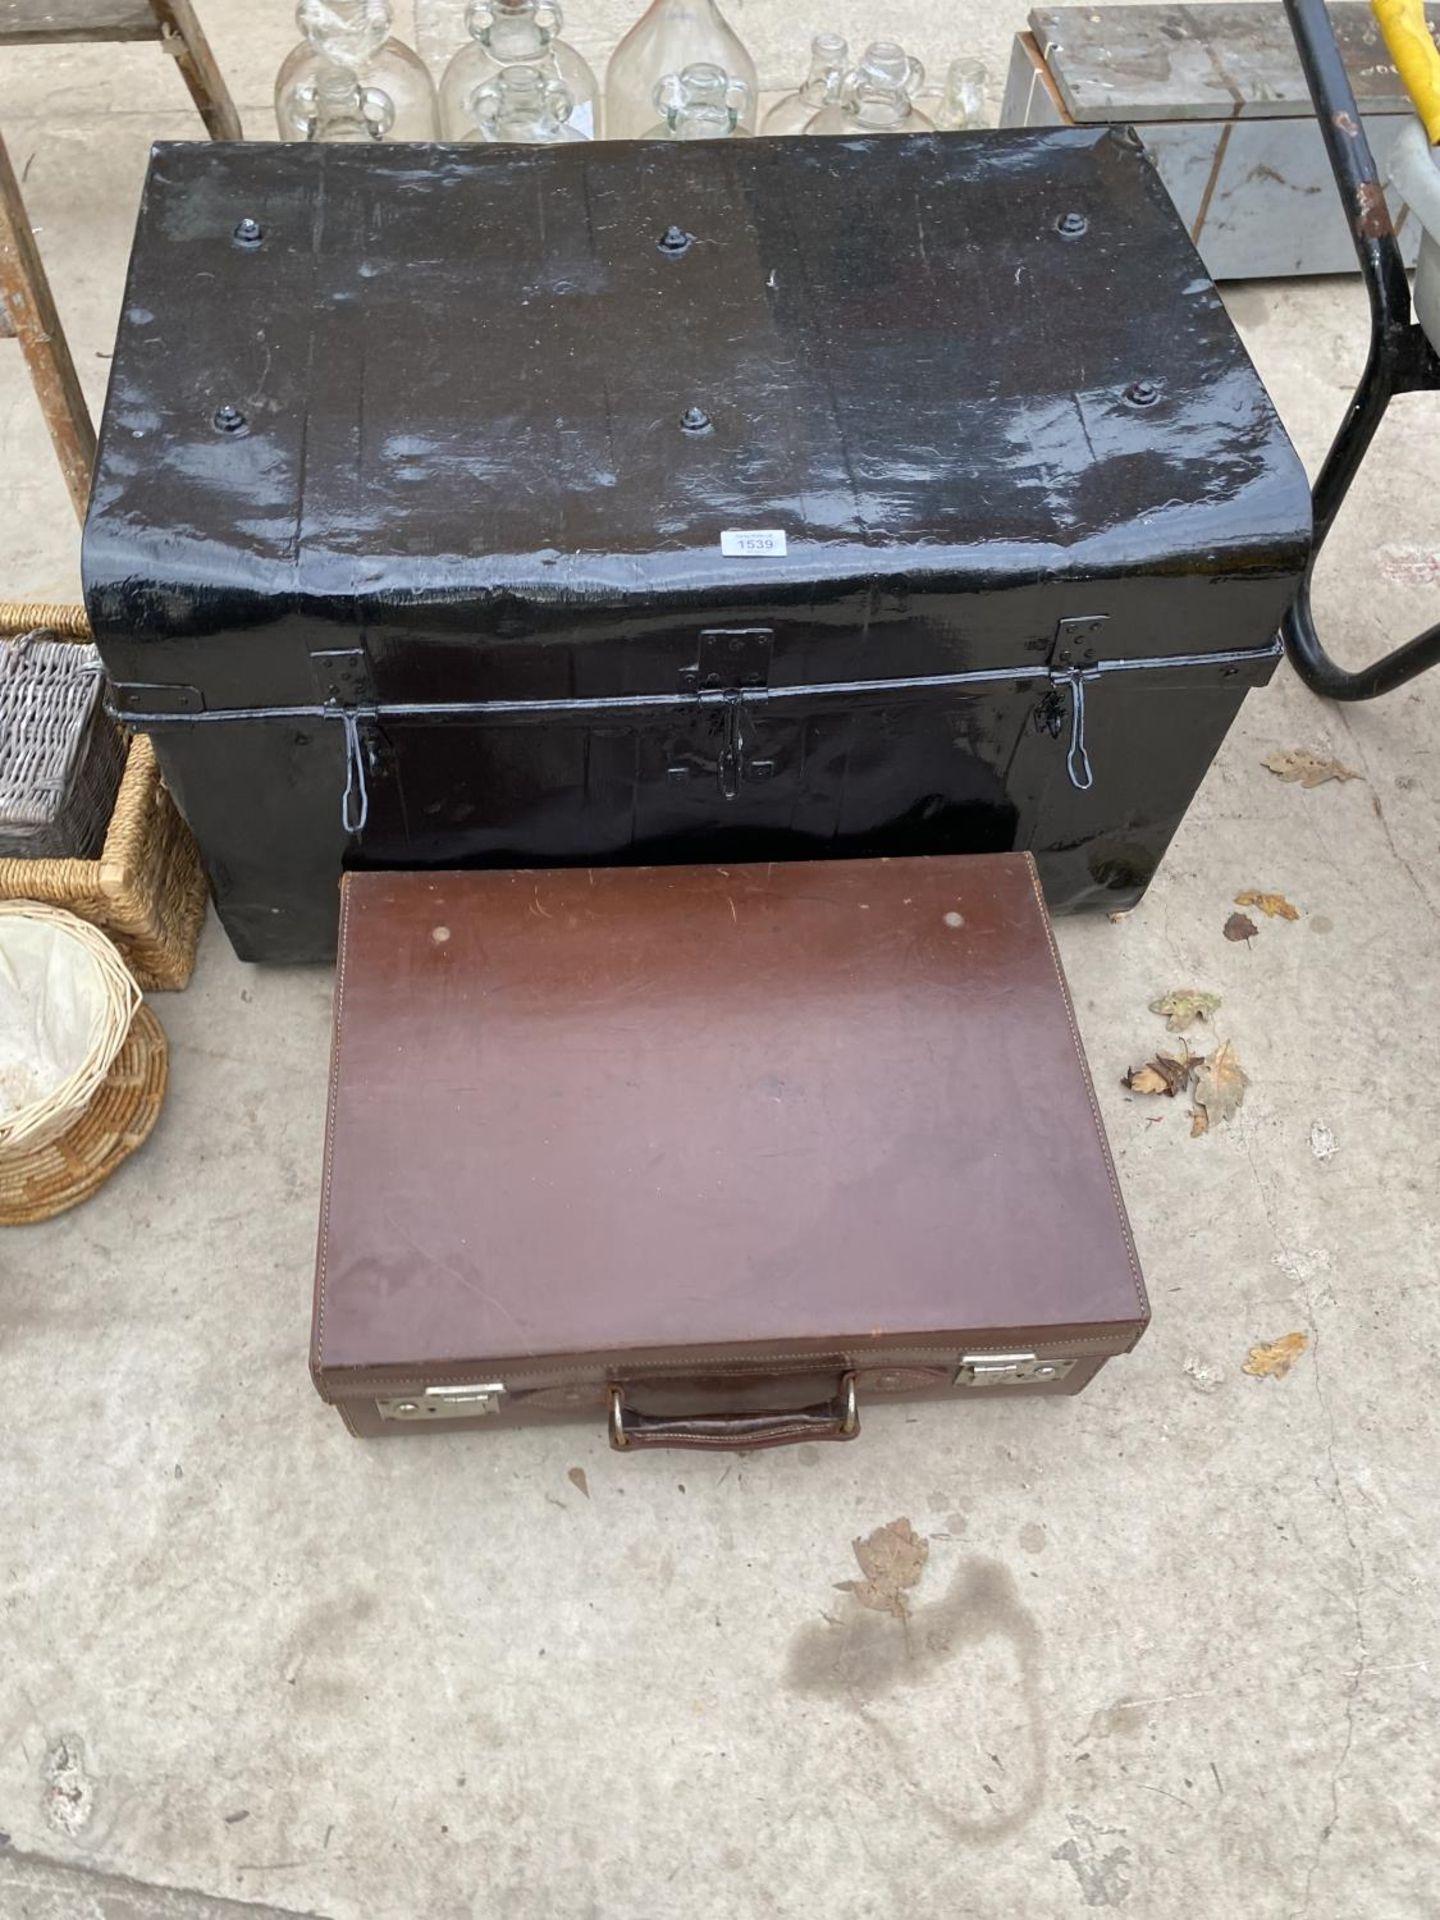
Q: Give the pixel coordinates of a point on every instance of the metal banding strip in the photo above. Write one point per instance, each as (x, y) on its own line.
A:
(640, 704)
(355, 802)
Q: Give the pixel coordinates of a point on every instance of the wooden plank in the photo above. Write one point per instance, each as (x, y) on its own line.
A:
(1223, 61)
(184, 39)
(43, 22)
(30, 308)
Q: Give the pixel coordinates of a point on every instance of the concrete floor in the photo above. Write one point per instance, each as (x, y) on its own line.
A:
(1175, 1646)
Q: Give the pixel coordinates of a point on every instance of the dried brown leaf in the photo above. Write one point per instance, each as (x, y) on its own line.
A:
(576, 1477)
(1274, 1361)
(1184, 1006)
(1199, 1122)
(892, 1559)
(1219, 1087)
(1273, 905)
(1297, 763)
(1162, 1074)
(1240, 927)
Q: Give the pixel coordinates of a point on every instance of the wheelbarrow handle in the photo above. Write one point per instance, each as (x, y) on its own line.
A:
(1400, 360)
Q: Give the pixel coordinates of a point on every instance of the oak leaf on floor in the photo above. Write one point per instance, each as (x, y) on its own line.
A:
(1219, 1089)
(1274, 1360)
(1163, 1073)
(1273, 905)
(1298, 764)
(1184, 1006)
(892, 1559)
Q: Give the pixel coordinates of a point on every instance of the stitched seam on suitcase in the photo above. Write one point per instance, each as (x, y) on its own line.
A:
(330, 1133)
(1135, 1274)
(400, 1375)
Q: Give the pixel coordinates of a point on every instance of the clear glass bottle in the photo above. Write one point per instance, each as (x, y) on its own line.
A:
(524, 105)
(962, 104)
(354, 36)
(877, 96)
(347, 110)
(829, 58)
(668, 37)
(702, 103)
(515, 33)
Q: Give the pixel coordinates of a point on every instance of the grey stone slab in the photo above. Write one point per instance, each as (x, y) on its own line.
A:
(1218, 62)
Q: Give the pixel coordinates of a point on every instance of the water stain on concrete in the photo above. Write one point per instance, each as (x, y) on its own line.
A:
(1247, 306)
(862, 1658)
(1033, 1537)
(1125, 1717)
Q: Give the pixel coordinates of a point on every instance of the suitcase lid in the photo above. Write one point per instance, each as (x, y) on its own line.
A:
(472, 405)
(649, 1116)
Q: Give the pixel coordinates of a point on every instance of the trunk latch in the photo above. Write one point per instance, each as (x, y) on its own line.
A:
(732, 663)
(1071, 664)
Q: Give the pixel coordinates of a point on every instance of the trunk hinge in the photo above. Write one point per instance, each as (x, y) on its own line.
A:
(732, 663)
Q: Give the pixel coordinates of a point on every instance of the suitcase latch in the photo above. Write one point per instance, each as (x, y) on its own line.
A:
(443, 1403)
(1008, 1370)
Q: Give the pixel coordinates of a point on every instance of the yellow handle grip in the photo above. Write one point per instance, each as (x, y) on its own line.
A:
(1417, 59)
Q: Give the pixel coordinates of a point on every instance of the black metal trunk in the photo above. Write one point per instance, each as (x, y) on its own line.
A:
(425, 523)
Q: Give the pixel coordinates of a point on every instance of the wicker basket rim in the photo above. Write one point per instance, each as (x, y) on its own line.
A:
(57, 1110)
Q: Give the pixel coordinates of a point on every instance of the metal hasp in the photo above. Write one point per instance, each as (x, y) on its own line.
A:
(443, 1403)
(1401, 358)
(1009, 1370)
(731, 663)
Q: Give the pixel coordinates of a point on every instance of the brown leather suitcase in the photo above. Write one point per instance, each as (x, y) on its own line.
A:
(716, 1156)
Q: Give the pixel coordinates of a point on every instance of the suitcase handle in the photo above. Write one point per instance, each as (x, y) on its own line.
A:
(837, 1419)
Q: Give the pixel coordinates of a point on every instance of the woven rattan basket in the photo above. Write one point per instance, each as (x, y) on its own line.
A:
(109, 1000)
(146, 889)
(38, 1184)
(61, 755)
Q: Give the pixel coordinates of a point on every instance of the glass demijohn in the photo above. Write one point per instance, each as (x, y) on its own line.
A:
(877, 96)
(829, 58)
(963, 102)
(670, 36)
(516, 33)
(374, 86)
(526, 105)
(702, 103)
(346, 110)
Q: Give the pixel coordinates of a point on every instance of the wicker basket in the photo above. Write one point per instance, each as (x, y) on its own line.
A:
(147, 889)
(61, 755)
(109, 1004)
(44, 1181)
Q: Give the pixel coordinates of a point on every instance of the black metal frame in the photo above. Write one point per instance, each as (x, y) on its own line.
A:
(1401, 359)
